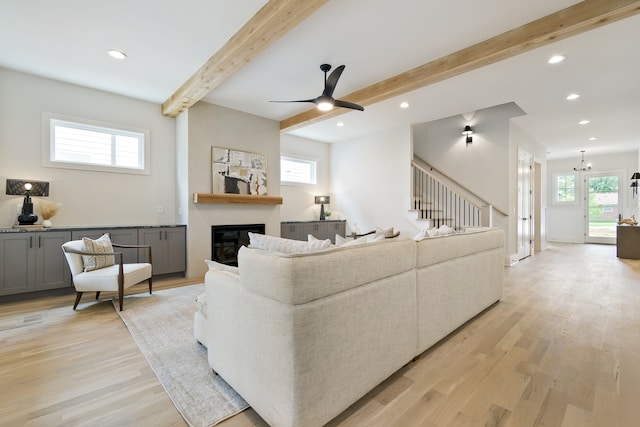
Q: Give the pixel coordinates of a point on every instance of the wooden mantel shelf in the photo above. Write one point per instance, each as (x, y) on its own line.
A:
(236, 198)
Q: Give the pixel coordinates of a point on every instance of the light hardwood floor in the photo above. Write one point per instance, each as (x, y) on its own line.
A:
(562, 348)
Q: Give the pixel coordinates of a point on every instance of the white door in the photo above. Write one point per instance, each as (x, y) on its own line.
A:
(525, 216)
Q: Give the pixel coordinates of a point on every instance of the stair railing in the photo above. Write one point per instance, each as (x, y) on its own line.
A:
(437, 202)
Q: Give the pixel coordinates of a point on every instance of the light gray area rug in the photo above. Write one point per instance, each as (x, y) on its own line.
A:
(162, 326)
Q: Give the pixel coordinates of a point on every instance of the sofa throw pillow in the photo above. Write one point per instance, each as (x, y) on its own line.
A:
(445, 230)
(356, 242)
(340, 240)
(286, 246)
(432, 232)
(100, 245)
(312, 238)
(420, 236)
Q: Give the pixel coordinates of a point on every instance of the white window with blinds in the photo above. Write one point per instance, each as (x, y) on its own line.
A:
(297, 171)
(75, 143)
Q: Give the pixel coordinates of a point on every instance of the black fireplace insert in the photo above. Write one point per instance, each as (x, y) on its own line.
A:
(226, 241)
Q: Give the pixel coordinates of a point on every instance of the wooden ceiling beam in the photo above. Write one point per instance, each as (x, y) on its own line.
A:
(272, 21)
(583, 16)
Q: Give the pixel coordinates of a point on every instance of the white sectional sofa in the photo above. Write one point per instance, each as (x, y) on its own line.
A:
(301, 337)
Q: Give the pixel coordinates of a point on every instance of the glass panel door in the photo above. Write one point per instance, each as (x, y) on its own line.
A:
(603, 200)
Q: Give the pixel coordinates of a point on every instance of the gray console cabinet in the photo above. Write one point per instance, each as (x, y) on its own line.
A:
(318, 229)
(33, 262)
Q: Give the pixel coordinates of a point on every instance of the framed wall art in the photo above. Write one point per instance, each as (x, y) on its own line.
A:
(238, 172)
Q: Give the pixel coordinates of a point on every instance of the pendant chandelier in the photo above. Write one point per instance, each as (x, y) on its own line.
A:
(583, 166)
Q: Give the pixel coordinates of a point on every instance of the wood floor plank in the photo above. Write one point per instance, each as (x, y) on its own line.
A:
(562, 348)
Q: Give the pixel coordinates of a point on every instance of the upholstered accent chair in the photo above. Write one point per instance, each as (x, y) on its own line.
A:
(116, 276)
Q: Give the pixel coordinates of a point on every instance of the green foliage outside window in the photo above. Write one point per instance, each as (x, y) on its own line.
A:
(566, 187)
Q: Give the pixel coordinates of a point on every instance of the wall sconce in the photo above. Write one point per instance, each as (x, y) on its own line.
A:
(321, 200)
(634, 183)
(16, 187)
(582, 166)
(468, 132)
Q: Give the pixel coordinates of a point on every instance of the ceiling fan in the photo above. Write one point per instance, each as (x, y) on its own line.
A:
(326, 102)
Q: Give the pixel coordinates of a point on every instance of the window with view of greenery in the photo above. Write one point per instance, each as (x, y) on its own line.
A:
(565, 188)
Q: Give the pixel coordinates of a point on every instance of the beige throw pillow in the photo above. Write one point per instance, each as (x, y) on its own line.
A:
(101, 245)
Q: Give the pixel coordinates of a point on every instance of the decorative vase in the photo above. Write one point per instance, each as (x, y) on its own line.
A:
(46, 223)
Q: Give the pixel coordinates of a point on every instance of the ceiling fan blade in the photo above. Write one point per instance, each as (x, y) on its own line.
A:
(332, 81)
(345, 104)
(314, 100)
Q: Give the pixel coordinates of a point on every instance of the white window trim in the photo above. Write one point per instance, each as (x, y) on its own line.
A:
(47, 145)
(576, 188)
(299, 158)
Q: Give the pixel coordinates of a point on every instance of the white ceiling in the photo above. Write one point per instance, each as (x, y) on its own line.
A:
(167, 41)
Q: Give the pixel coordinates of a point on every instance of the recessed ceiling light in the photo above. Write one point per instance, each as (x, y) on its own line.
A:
(593, 138)
(117, 54)
(404, 105)
(556, 58)
(584, 122)
(340, 124)
(573, 96)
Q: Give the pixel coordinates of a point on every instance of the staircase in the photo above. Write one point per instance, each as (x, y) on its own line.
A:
(438, 201)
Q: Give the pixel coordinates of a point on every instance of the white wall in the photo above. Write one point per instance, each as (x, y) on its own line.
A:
(87, 198)
(211, 125)
(371, 179)
(482, 166)
(566, 223)
(298, 199)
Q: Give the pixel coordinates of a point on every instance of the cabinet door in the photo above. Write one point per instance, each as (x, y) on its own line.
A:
(168, 248)
(52, 271)
(123, 236)
(17, 263)
(336, 227)
(176, 239)
(153, 237)
(292, 230)
(318, 229)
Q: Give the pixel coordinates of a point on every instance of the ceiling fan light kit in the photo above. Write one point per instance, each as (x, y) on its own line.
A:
(326, 101)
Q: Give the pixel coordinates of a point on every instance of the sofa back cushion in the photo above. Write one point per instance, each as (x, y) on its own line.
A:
(438, 249)
(304, 277)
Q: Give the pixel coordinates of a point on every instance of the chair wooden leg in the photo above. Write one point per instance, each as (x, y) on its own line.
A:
(97, 294)
(78, 296)
(120, 299)
(150, 285)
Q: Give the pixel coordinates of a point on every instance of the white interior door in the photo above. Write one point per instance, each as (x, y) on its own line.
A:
(525, 194)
